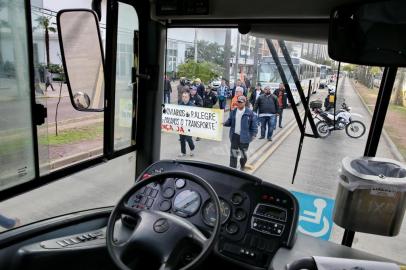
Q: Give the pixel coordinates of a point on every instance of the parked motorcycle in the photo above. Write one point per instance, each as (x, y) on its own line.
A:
(353, 128)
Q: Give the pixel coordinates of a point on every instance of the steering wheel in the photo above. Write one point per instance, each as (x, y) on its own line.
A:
(159, 233)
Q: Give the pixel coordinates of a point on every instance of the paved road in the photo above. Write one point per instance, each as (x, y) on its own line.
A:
(317, 174)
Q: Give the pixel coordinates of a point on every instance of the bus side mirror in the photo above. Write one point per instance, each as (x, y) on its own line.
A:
(82, 58)
(369, 34)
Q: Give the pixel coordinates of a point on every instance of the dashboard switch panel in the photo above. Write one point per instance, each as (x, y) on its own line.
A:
(267, 227)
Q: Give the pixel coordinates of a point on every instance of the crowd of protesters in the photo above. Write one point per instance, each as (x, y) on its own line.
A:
(249, 107)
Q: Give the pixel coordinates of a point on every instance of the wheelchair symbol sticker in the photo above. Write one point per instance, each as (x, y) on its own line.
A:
(315, 215)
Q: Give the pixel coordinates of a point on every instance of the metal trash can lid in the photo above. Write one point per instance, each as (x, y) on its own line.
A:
(369, 173)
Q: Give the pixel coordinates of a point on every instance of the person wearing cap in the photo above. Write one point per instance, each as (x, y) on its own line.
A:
(243, 129)
(255, 95)
(239, 91)
(267, 107)
(209, 98)
(195, 98)
(185, 138)
(200, 87)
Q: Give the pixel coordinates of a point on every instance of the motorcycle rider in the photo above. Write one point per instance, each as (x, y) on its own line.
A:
(330, 99)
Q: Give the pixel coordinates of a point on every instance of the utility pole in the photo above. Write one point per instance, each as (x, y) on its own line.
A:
(237, 58)
(227, 55)
(255, 69)
(195, 44)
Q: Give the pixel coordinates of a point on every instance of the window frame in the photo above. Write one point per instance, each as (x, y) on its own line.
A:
(109, 112)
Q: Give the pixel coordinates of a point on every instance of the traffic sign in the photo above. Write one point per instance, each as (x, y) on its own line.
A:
(315, 215)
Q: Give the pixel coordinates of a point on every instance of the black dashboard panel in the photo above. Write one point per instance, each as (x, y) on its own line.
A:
(257, 217)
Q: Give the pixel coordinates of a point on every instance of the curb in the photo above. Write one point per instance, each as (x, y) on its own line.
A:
(62, 162)
(392, 147)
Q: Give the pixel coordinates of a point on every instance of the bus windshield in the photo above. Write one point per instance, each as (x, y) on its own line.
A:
(217, 72)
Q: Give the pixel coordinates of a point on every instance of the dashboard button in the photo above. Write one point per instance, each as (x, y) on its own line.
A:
(154, 193)
(165, 205)
(150, 202)
(237, 198)
(62, 244)
(240, 214)
(168, 193)
(180, 183)
(232, 228)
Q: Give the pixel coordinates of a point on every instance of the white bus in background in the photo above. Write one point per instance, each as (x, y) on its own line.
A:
(268, 74)
(325, 74)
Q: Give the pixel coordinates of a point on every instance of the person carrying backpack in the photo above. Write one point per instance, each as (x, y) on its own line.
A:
(243, 129)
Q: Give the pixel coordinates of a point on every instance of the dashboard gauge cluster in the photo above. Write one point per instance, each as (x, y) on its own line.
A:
(186, 203)
(209, 212)
(257, 218)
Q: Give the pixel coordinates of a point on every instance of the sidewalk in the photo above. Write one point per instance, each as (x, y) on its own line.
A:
(394, 127)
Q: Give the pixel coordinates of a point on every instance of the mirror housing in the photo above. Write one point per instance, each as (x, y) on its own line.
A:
(370, 34)
(82, 58)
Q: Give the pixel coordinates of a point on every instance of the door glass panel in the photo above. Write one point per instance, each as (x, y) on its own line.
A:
(16, 138)
(68, 136)
(124, 106)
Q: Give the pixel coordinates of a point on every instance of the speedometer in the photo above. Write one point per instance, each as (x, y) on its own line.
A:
(187, 203)
(209, 212)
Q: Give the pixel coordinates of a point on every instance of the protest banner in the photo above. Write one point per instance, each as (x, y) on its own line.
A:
(193, 121)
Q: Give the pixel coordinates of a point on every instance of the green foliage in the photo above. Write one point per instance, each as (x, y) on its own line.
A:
(375, 70)
(44, 22)
(53, 68)
(73, 135)
(206, 71)
(349, 67)
(207, 52)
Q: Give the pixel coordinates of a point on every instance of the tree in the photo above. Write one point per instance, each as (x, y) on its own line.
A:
(206, 71)
(44, 22)
(398, 95)
(349, 68)
(375, 70)
(207, 51)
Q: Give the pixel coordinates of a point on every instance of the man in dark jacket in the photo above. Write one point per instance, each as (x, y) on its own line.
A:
(195, 98)
(243, 129)
(281, 94)
(185, 138)
(200, 87)
(267, 107)
(182, 87)
(209, 98)
(167, 90)
(255, 94)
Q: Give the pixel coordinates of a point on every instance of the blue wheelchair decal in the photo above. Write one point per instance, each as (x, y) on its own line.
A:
(315, 215)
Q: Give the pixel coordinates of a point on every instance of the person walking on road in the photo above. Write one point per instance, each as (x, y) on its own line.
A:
(209, 98)
(255, 95)
(238, 92)
(167, 90)
(281, 94)
(200, 87)
(182, 87)
(195, 98)
(243, 129)
(267, 107)
(48, 80)
(222, 93)
(185, 138)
